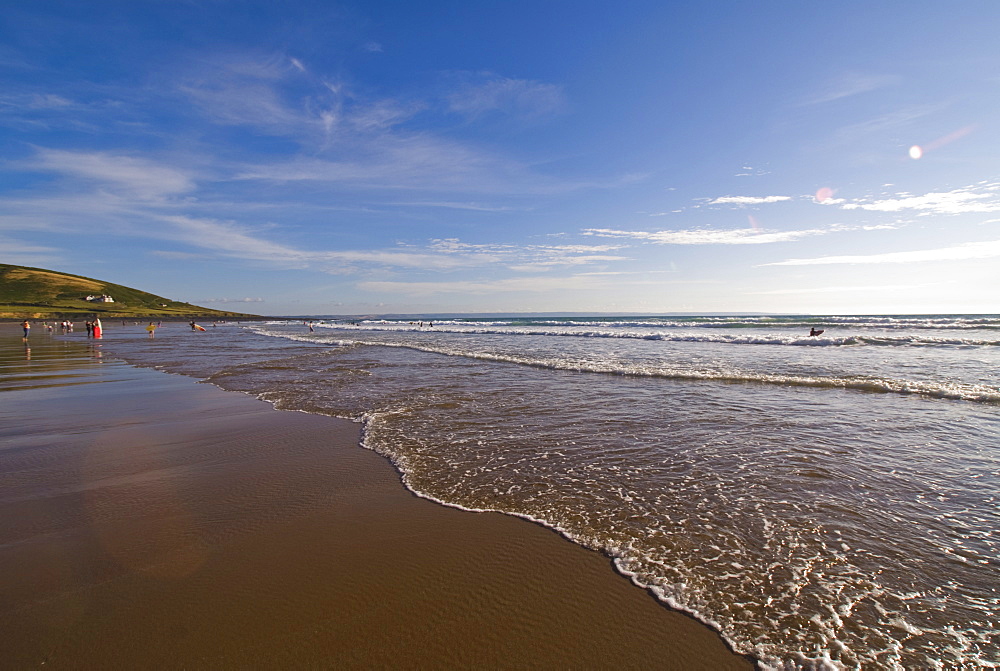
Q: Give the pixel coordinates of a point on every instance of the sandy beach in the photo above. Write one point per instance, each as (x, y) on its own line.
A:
(148, 521)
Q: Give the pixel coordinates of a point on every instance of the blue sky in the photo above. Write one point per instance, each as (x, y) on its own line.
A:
(384, 157)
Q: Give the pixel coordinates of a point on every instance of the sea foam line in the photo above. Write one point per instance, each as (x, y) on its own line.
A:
(939, 390)
(862, 322)
(763, 339)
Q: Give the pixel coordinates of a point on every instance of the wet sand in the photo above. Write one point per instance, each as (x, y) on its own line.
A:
(148, 521)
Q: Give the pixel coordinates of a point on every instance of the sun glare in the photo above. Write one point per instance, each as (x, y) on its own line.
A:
(916, 152)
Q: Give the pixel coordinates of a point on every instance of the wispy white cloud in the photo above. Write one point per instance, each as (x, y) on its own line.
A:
(963, 252)
(520, 97)
(452, 245)
(136, 177)
(566, 260)
(748, 200)
(864, 288)
(230, 239)
(418, 162)
(475, 207)
(31, 111)
(973, 199)
(846, 86)
(351, 139)
(633, 273)
(280, 96)
(246, 102)
(18, 253)
(35, 101)
(379, 115)
(883, 123)
(533, 284)
(740, 236)
(412, 164)
(141, 198)
(751, 171)
(534, 258)
(587, 282)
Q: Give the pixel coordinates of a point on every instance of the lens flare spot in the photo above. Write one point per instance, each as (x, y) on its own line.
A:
(916, 152)
(824, 193)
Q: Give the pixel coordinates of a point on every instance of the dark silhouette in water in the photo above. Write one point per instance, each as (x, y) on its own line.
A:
(815, 332)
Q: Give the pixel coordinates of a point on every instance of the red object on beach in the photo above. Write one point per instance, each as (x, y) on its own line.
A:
(97, 328)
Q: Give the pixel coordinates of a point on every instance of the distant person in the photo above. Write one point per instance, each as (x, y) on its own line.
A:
(151, 329)
(90, 328)
(194, 327)
(26, 325)
(815, 332)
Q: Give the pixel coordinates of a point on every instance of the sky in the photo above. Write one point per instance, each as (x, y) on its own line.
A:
(323, 157)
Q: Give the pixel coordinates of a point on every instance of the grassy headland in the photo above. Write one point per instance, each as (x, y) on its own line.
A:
(36, 293)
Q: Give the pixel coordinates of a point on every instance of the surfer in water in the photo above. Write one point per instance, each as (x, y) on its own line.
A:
(815, 332)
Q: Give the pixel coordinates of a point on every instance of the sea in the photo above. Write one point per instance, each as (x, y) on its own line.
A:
(824, 501)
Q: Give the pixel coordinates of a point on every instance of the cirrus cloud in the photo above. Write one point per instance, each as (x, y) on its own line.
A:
(748, 200)
(739, 236)
(959, 201)
(968, 251)
(520, 97)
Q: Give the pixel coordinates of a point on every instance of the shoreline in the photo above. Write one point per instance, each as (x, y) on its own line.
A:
(152, 521)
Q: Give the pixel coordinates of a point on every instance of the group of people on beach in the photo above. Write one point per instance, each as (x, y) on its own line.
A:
(67, 327)
(26, 325)
(64, 326)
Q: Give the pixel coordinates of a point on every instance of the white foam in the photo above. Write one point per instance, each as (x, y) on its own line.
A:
(662, 332)
(931, 389)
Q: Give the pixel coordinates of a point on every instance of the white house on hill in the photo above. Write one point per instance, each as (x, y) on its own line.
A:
(101, 299)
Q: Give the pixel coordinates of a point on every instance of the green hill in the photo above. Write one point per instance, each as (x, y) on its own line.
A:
(36, 293)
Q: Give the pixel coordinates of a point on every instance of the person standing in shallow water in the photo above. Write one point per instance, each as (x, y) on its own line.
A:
(151, 329)
(26, 325)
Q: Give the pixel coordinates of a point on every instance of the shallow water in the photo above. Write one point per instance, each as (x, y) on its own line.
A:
(822, 501)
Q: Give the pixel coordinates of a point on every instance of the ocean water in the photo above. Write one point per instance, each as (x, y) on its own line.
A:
(824, 502)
